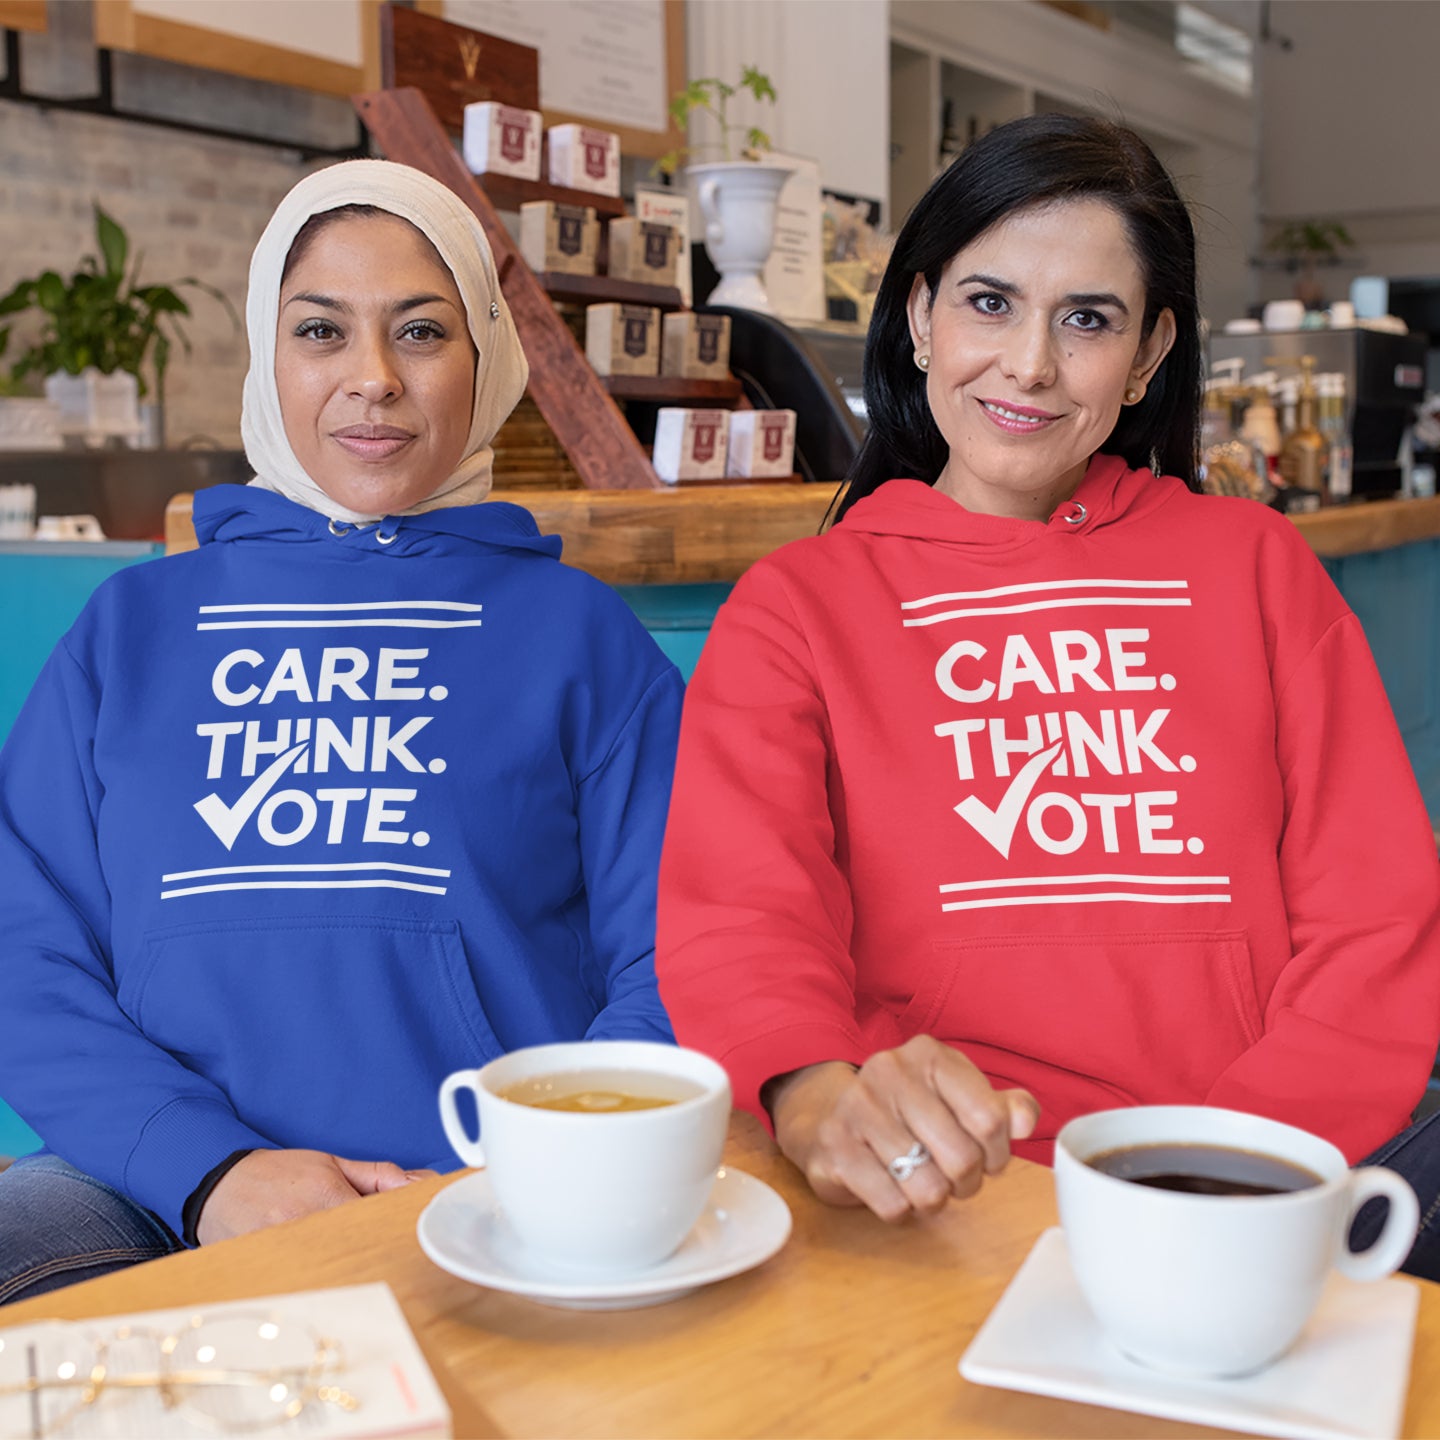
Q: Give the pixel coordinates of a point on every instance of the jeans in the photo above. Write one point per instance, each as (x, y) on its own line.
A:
(1414, 1154)
(58, 1226)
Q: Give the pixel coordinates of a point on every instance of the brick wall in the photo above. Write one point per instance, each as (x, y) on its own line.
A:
(192, 205)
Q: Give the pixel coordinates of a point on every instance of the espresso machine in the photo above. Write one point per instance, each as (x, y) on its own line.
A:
(1384, 382)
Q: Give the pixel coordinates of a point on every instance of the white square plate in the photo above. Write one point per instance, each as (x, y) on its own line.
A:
(1346, 1377)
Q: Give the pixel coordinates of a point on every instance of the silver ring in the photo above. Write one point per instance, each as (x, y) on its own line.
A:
(338, 530)
(1077, 515)
(902, 1167)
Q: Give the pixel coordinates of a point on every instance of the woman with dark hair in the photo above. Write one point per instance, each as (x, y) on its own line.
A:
(1040, 783)
(1044, 160)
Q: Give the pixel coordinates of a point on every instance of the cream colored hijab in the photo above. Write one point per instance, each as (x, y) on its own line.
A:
(449, 225)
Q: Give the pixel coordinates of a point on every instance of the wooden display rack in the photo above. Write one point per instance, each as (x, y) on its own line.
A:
(711, 533)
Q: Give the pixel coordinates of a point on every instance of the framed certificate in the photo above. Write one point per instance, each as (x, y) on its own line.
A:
(613, 64)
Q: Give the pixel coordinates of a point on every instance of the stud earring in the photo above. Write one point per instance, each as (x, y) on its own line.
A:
(923, 361)
(1132, 394)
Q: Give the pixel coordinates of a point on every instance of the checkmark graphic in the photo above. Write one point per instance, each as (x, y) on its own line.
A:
(227, 821)
(998, 826)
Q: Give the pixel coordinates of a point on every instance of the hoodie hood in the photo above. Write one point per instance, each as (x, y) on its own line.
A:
(1109, 494)
(239, 514)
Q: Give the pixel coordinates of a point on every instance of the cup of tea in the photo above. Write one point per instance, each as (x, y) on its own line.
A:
(1202, 1238)
(601, 1153)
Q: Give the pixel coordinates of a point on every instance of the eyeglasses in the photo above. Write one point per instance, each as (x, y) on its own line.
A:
(234, 1373)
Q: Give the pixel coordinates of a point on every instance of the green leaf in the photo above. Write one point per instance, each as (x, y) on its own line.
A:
(757, 139)
(114, 245)
(50, 292)
(757, 84)
(163, 299)
(22, 297)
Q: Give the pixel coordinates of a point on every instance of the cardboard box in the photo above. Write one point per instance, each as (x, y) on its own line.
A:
(564, 239)
(696, 347)
(644, 250)
(622, 339)
(502, 140)
(584, 158)
(690, 444)
(761, 444)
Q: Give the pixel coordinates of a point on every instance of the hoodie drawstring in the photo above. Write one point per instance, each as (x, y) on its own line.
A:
(340, 531)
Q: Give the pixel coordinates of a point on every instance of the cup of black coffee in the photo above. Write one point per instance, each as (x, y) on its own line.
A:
(1202, 1238)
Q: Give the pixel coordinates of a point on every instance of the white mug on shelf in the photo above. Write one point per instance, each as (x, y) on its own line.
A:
(17, 512)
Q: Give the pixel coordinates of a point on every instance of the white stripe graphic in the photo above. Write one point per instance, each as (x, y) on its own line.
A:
(1014, 880)
(1005, 900)
(276, 869)
(1032, 586)
(340, 624)
(355, 605)
(1034, 605)
(307, 885)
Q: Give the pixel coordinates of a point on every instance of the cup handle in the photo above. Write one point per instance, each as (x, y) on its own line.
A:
(467, 1149)
(710, 209)
(1393, 1243)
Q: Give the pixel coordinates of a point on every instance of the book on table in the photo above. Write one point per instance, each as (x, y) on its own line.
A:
(339, 1363)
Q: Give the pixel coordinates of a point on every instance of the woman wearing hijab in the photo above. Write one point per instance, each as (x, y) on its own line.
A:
(366, 789)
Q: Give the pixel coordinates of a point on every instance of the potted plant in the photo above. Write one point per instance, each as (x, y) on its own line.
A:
(738, 198)
(101, 330)
(1305, 244)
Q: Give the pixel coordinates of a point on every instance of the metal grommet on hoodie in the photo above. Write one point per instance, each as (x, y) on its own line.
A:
(339, 531)
(382, 539)
(1078, 514)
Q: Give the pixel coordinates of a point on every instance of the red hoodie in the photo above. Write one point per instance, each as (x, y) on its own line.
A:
(1114, 804)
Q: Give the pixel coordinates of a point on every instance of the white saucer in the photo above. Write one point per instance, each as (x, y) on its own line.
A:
(1346, 1377)
(744, 1223)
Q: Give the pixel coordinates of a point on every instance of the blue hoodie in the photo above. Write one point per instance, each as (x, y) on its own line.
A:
(295, 824)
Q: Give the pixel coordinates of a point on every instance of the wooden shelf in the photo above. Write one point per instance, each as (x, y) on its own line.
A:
(505, 192)
(594, 289)
(671, 390)
(1374, 525)
(675, 534)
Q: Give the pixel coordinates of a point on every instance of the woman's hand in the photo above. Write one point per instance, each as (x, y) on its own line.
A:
(269, 1186)
(843, 1127)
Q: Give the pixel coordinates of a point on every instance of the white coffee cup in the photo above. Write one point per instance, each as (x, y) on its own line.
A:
(595, 1194)
(1215, 1285)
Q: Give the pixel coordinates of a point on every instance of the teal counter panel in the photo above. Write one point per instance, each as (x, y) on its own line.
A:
(41, 593)
(1396, 595)
(678, 616)
(42, 590)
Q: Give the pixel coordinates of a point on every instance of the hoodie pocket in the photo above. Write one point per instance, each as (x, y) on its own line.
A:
(1153, 1016)
(327, 1034)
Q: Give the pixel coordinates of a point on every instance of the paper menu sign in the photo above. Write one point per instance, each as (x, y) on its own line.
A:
(670, 207)
(383, 1369)
(794, 275)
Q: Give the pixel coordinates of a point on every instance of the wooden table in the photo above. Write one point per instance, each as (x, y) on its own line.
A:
(854, 1329)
